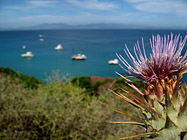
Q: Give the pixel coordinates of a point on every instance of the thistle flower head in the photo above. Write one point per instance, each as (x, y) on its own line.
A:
(165, 60)
(162, 71)
(164, 100)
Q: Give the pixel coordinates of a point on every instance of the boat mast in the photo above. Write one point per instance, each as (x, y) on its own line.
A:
(72, 51)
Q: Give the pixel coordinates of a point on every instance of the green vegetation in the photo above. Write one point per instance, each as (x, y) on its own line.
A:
(85, 82)
(27, 81)
(59, 110)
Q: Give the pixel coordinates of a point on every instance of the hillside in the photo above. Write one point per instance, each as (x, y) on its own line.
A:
(52, 26)
(61, 110)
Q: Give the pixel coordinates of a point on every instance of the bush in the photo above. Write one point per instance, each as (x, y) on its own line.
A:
(27, 81)
(83, 82)
(61, 111)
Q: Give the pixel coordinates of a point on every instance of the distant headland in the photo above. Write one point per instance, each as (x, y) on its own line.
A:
(53, 26)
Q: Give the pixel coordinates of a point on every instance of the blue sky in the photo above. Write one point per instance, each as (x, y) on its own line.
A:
(154, 13)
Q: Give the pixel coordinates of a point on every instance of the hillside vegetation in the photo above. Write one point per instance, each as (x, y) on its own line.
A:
(62, 109)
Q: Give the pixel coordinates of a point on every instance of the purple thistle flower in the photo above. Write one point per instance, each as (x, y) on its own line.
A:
(164, 98)
(165, 60)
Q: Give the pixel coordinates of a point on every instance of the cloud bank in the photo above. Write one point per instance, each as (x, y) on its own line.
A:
(31, 4)
(94, 4)
(178, 7)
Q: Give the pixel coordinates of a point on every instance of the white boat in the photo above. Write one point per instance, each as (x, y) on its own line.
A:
(41, 39)
(24, 47)
(40, 35)
(58, 47)
(27, 54)
(79, 57)
(113, 62)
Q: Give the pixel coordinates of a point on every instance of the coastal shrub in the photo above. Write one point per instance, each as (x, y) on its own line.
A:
(83, 82)
(59, 110)
(97, 84)
(9, 72)
(27, 81)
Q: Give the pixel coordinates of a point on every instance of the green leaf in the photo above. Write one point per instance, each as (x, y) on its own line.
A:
(182, 122)
(184, 107)
(158, 123)
(185, 137)
(171, 112)
(158, 108)
(160, 138)
(171, 131)
(182, 117)
(177, 103)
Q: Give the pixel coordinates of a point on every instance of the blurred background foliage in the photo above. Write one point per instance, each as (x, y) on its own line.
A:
(63, 108)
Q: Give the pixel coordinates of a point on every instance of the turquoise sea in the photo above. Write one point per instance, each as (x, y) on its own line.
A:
(98, 45)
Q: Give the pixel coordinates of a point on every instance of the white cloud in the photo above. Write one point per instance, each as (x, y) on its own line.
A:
(177, 7)
(134, 1)
(39, 3)
(31, 4)
(94, 4)
(86, 14)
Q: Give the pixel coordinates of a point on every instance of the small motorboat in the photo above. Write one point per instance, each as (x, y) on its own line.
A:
(79, 57)
(24, 47)
(41, 39)
(40, 35)
(58, 47)
(113, 62)
(27, 54)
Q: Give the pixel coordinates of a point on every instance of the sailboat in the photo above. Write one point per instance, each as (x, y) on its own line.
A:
(78, 56)
(58, 47)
